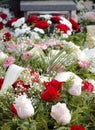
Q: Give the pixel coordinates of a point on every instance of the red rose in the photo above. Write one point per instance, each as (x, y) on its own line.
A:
(76, 127)
(13, 109)
(75, 25)
(32, 19)
(52, 91)
(35, 76)
(9, 23)
(42, 24)
(50, 94)
(62, 27)
(1, 25)
(1, 82)
(87, 87)
(55, 19)
(56, 84)
(3, 15)
(7, 36)
(19, 86)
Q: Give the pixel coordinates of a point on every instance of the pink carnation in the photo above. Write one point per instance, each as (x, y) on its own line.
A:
(83, 64)
(26, 55)
(8, 61)
(12, 47)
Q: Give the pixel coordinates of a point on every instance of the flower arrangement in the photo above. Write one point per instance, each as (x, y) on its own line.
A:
(47, 79)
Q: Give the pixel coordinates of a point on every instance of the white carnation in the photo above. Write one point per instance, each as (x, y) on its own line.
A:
(60, 113)
(23, 106)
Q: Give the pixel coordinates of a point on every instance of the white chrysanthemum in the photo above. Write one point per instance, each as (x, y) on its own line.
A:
(47, 16)
(34, 35)
(17, 32)
(60, 113)
(39, 30)
(19, 22)
(23, 106)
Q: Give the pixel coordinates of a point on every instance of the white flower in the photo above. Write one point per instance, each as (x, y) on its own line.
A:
(61, 113)
(66, 22)
(23, 106)
(34, 35)
(1, 19)
(75, 90)
(2, 56)
(17, 32)
(47, 17)
(19, 22)
(49, 22)
(39, 30)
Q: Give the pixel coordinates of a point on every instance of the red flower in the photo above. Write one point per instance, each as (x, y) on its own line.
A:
(42, 24)
(87, 87)
(76, 127)
(32, 19)
(75, 25)
(19, 86)
(62, 27)
(56, 84)
(9, 23)
(52, 91)
(3, 15)
(50, 94)
(1, 25)
(7, 36)
(35, 76)
(1, 82)
(13, 109)
(56, 19)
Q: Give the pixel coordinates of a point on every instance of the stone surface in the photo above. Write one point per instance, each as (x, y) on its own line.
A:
(47, 6)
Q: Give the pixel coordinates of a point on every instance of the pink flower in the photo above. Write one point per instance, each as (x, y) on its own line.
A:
(8, 61)
(42, 46)
(26, 55)
(90, 16)
(83, 63)
(12, 47)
